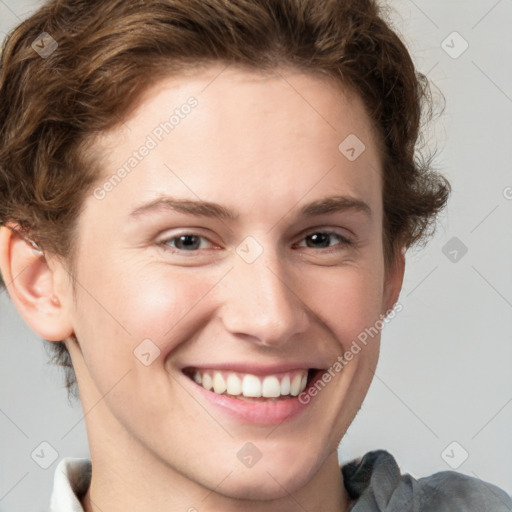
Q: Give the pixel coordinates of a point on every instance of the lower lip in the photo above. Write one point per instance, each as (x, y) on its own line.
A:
(256, 413)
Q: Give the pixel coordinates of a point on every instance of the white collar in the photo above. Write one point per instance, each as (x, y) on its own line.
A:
(72, 478)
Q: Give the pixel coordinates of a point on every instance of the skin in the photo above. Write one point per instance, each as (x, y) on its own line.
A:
(262, 146)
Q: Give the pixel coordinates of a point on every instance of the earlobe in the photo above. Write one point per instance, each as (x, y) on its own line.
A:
(33, 285)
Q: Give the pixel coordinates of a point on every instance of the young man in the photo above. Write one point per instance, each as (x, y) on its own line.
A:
(205, 202)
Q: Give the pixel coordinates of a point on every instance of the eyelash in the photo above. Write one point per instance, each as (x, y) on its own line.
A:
(344, 242)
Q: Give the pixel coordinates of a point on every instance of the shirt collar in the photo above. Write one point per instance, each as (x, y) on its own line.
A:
(72, 478)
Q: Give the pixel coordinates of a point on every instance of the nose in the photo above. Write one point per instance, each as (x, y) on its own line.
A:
(261, 304)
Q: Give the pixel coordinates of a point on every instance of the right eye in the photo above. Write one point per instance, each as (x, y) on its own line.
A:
(185, 242)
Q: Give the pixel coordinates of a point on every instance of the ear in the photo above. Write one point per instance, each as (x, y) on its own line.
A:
(394, 280)
(39, 288)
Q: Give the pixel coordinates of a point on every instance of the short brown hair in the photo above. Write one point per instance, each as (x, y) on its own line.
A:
(110, 51)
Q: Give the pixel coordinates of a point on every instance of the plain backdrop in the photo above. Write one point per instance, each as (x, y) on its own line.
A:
(442, 395)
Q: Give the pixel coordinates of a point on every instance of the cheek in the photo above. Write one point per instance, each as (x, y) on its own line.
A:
(120, 309)
(348, 300)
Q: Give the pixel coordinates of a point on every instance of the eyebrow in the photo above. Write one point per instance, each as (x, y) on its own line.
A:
(201, 208)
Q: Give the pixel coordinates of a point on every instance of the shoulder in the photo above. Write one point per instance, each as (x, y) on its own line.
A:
(375, 483)
(463, 492)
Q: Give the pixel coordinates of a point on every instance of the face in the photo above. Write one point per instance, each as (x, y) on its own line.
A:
(239, 254)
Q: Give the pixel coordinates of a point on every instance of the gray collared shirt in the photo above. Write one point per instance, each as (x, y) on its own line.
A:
(373, 482)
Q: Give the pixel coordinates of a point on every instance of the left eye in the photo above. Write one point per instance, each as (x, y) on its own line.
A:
(322, 239)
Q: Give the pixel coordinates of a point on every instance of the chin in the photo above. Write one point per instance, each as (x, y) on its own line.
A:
(260, 486)
(271, 479)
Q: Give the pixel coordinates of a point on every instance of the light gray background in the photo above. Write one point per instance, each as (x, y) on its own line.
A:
(445, 373)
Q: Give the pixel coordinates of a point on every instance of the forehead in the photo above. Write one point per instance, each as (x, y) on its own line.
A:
(235, 133)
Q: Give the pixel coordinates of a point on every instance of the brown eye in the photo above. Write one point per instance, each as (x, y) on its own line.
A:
(325, 239)
(318, 240)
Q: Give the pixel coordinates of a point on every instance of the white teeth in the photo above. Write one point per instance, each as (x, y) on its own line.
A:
(303, 383)
(251, 386)
(219, 384)
(285, 385)
(234, 385)
(207, 382)
(271, 387)
(295, 385)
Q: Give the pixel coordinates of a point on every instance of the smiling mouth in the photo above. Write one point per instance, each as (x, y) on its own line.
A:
(249, 387)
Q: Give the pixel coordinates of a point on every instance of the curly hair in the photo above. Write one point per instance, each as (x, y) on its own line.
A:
(106, 53)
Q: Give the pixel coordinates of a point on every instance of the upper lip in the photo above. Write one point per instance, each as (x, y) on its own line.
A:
(258, 370)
